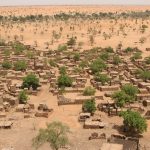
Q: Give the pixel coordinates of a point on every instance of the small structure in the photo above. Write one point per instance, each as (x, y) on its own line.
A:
(84, 116)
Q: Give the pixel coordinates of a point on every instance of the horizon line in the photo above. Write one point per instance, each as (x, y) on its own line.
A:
(31, 5)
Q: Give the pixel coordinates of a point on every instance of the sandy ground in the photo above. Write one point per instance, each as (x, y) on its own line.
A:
(20, 136)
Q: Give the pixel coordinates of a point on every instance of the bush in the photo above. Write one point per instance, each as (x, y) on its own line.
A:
(134, 122)
(147, 60)
(30, 81)
(6, 64)
(64, 81)
(109, 50)
(62, 47)
(129, 50)
(137, 55)
(52, 63)
(104, 56)
(116, 60)
(144, 74)
(71, 41)
(88, 91)
(62, 70)
(18, 48)
(20, 65)
(121, 98)
(89, 106)
(23, 97)
(130, 90)
(101, 78)
(76, 57)
(97, 65)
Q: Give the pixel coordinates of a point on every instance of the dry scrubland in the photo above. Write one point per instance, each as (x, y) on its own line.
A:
(45, 31)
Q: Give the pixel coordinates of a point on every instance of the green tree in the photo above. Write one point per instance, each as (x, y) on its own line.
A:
(116, 60)
(76, 57)
(62, 47)
(64, 81)
(109, 50)
(134, 122)
(20, 65)
(121, 98)
(72, 41)
(30, 81)
(104, 56)
(137, 55)
(130, 90)
(129, 50)
(55, 134)
(88, 91)
(89, 106)
(62, 70)
(97, 65)
(6, 64)
(147, 60)
(144, 74)
(23, 97)
(103, 78)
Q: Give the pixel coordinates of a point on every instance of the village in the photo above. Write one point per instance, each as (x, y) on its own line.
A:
(90, 90)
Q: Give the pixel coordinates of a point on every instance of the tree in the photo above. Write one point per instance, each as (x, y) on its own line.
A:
(137, 55)
(64, 81)
(121, 98)
(30, 81)
(116, 60)
(88, 91)
(76, 57)
(71, 42)
(97, 65)
(62, 47)
(144, 74)
(147, 60)
(130, 90)
(129, 50)
(20, 65)
(63, 70)
(104, 56)
(109, 50)
(6, 64)
(23, 97)
(103, 78)
(55, 134)
(89, 106)
(134, 122)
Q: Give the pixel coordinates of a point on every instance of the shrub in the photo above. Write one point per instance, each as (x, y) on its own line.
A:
(130, 90)
(30, 81)
(121, 98)
(89, 106)
(88, 91)
(6, 64)
(20, 65)
(62, 47)
(71, 41)
(109, 50)
(134, 122)
(64, 81)
(101, 78)
(137, 55)
(62, 70)
(104, 56)
(116, 60)
(76, 57)
(23, 97)
(97, 65)
(129, 50)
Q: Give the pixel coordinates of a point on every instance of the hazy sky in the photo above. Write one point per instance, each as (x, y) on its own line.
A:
(73, 2)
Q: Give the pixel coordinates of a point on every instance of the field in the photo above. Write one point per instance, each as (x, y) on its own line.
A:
(45, 32)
